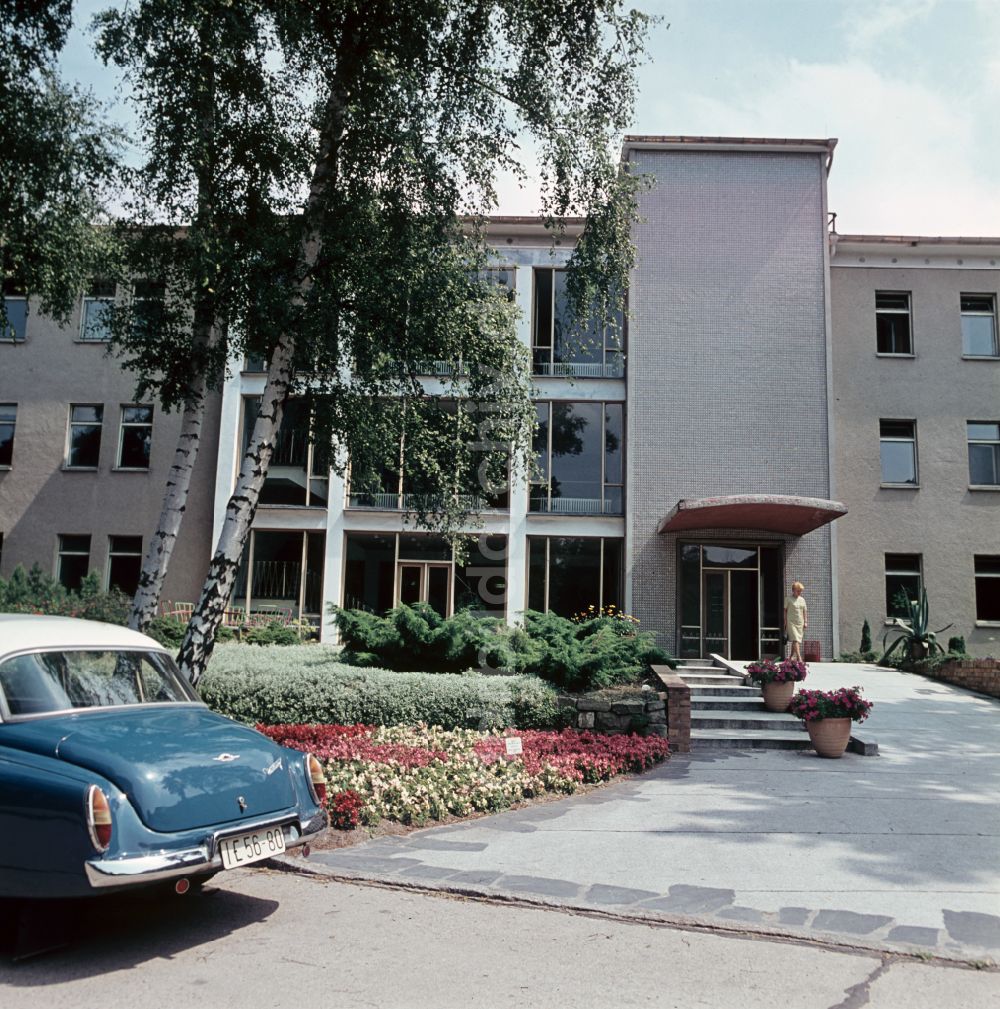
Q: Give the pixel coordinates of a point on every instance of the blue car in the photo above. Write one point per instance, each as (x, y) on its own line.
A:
(113, 774)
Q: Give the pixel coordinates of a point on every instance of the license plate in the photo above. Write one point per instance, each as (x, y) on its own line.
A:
(247, 848)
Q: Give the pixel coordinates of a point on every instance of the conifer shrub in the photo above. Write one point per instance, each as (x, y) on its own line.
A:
(575, 655)
(35, 591)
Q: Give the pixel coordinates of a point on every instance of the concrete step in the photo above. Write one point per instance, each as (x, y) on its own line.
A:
(744, 721)
(739, 702)
(728, 739)
(698, 667)
(698, 691)
(711, 679)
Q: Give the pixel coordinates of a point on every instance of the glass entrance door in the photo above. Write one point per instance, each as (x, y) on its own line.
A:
(425, 583)
(729, 600)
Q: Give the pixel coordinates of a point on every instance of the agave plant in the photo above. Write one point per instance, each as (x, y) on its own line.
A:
(913, 631)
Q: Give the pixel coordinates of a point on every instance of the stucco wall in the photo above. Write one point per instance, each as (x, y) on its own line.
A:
(39, 499)
(942, 520)
(727, 375)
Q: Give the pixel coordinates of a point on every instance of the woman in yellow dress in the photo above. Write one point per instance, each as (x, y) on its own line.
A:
(796, 619)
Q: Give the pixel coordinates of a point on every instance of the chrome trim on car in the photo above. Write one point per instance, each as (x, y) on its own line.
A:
(137, 870)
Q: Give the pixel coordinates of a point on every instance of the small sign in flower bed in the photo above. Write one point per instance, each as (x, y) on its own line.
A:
(411, 774)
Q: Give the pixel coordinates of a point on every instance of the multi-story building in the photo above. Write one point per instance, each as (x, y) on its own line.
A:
(782, 403)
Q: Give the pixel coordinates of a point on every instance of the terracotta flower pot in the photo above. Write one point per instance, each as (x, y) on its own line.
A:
(830, 736)
(777, 696)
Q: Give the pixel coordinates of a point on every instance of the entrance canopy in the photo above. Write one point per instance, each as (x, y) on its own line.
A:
(778, 513)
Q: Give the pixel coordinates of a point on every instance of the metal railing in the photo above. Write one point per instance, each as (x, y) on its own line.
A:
(568, 369)
(412, 502)
(576, 506)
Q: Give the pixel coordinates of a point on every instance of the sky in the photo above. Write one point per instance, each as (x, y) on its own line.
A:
(910, 88)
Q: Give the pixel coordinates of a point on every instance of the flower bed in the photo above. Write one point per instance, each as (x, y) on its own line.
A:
(413, 774)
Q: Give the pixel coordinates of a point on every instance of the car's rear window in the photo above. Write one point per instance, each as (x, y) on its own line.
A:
(42, 682)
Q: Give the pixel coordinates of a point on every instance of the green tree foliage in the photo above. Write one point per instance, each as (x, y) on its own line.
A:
(57, 161)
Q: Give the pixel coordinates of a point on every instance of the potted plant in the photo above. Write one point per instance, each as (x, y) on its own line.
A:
(828, 715)
(913, 631)
(777, 681)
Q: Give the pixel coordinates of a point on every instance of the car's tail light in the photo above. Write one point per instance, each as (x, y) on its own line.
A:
(317, 780)
(98, 818)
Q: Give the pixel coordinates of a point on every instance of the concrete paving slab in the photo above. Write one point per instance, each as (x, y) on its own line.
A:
(899, 851)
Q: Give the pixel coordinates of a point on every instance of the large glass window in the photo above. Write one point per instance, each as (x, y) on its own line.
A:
(979, 325)
(8, 422)
(73, 561)
(16, 307)
(299, 473)
(984, 453)
(578, 459)
(561, 348)
(903, 581)
(892, 322)
(987, 568)
(898, 451)
(384, 569)
(95, 318)
(83, 449)
(148, 298)
(124, 563)
(567, 574)
(136, 437)
(287, 576)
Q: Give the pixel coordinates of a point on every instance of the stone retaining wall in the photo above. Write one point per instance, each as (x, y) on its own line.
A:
(974, 674)
(645, 713)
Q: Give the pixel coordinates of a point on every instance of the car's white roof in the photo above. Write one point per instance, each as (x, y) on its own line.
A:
(20, 631)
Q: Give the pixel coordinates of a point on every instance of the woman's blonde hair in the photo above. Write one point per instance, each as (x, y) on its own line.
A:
(799, 586)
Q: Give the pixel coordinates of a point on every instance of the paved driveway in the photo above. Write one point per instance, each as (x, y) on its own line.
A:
(898, 851)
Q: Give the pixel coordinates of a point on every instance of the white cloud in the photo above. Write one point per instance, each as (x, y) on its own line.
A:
(881, 22)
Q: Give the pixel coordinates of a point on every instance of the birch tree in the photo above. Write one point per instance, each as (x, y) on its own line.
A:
(221, 139)
(410, 109)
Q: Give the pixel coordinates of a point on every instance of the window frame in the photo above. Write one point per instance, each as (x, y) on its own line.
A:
(908, 312)
(89, 298)
(900, 573)
(70, 424)
(995, 443)
(113, 553)
(605, 484)
(991, 560)
(978, 314)
(8, 332)
(563, 369)
(13, 434)
(547, 539)
(122, 424)
(61, 552)
(882, 439)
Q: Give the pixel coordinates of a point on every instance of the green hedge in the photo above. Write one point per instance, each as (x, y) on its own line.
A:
(35, 591)
(304, 684)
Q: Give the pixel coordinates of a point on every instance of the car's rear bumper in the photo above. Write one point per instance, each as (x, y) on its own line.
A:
(137, 870)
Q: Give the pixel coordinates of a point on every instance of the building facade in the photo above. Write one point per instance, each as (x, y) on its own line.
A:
(781, 403)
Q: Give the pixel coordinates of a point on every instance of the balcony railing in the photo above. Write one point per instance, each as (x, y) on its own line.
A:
(567, 369)
(413, 502)
(576, 506)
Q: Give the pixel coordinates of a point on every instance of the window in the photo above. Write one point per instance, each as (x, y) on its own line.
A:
(903, 581)
(16, 307)
(95, 319)
(979, 325)
(898, 451)
(124, 563)
(567, 574)
(147, 307)
(578, 454)
(8, 421)
(984, 453)
(73, 561)
(287, 577)
(84, 447)
(987, 568)
(892, 322)
(559, 347)
(136, 437)
(299, 473)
